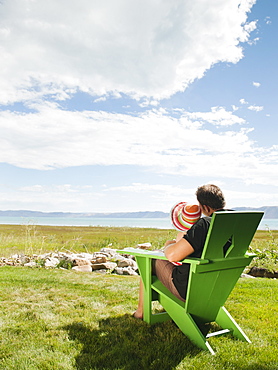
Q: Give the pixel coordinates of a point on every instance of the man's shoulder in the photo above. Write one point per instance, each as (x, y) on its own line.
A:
(203, 221)
(201, 226)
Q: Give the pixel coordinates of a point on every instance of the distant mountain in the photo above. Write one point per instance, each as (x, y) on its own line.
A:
(269, 212)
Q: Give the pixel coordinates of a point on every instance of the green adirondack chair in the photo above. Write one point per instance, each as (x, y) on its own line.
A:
(211, 279)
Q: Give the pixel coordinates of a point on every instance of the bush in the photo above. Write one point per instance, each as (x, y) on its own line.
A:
(267, 253)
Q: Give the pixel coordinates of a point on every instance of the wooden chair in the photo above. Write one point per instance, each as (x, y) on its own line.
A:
(211, 279)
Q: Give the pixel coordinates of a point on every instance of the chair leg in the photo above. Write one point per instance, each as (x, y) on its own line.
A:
(186, 324)
(144, 265)
(145, 268)
(226, 321)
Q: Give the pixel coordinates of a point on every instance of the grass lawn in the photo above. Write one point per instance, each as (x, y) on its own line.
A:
(62, 319)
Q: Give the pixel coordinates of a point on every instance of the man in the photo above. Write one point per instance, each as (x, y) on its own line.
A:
(175, 278)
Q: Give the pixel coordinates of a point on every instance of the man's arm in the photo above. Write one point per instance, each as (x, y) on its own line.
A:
(176, 252)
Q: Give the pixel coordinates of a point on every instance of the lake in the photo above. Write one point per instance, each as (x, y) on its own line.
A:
(160, 223)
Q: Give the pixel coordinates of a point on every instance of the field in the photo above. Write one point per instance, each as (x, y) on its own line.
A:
(34, 238)
(63, 319)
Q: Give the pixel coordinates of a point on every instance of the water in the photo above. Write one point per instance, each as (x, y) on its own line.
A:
(159, 223)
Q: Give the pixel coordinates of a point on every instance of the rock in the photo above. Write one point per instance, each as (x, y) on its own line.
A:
(51, 262)
(128, 262)
(129, 271)
(119, 270)
(31, 264)
(101, 259)
(262, 272)
(247, 276)
(87, 256)
(81, 262)
(24, 259)
(44, 256)
(125, 271)
(83, 268)
(107, 266)
(144, 246)
(10, 263)
(101, 271)
(109, 251)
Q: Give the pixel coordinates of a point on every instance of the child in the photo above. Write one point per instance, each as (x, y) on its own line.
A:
(183, 216)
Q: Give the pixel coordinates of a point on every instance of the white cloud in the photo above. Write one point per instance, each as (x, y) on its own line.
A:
(218, 117)
(54, 138)
(243, 101)
(268, 20)
(251, 198)
(141, 48)
(256, 108)
(174, 193)
(160, 190)
(128, 198)
(65, 188)
(253, 41)
(161, 196)
(55, 198)
(256, 84)
(102, 98)
(149, 102)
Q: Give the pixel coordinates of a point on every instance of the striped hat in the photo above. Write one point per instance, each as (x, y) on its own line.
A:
(185, 215)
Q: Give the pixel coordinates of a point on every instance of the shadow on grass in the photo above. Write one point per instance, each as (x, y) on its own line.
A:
(126, 343)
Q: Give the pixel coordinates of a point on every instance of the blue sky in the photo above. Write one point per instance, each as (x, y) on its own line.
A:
(129, 106)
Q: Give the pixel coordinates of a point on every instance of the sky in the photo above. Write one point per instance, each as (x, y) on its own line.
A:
(125, 106)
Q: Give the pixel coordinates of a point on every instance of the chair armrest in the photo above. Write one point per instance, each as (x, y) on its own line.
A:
(159, 255)
(195, 261)
(143, 253)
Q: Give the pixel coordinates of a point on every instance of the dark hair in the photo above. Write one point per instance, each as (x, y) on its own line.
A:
(210, 195)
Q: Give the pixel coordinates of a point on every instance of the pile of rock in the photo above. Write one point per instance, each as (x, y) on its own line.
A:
(106, 260)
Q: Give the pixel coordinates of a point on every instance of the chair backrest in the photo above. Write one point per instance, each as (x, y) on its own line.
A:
(237, 227)
(210, 284)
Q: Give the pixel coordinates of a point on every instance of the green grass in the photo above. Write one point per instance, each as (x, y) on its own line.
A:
(60, 319)
(31, 239)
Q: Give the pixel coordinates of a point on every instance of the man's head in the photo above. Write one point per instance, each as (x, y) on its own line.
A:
(210, 198)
